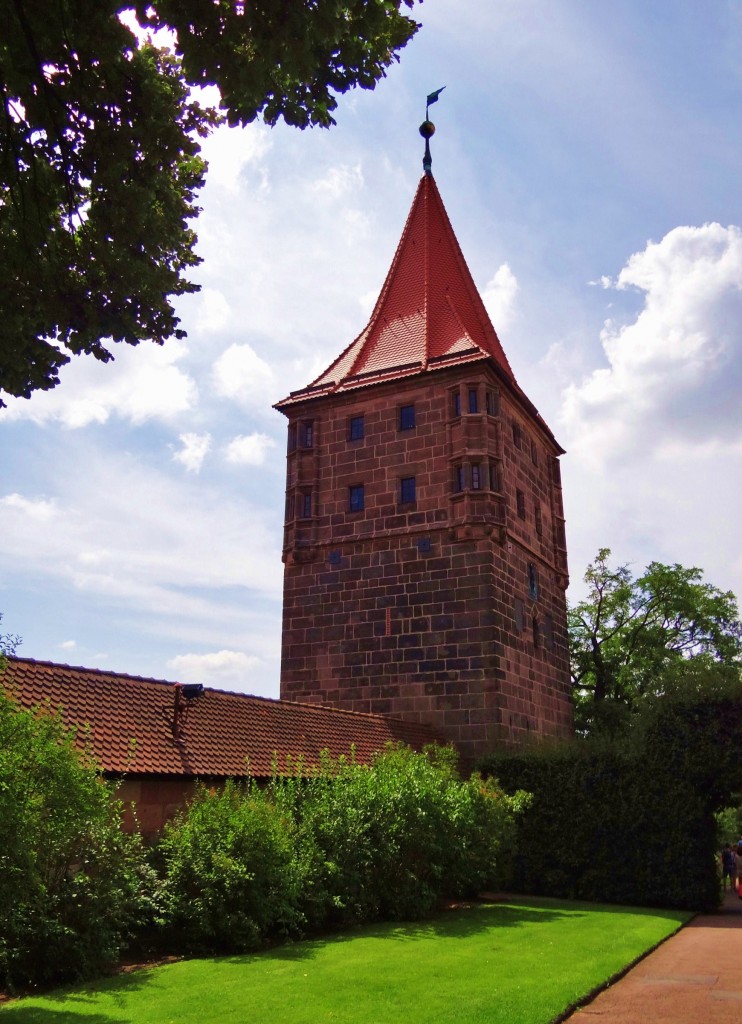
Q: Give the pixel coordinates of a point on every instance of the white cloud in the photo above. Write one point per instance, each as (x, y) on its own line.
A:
(655, 437)
(249, 450)
(499, 297)
(222, 669)
(676, 369)
(38, 509)
(230, 151)
(160, 545)
(339, 181)
(142, 383)
(68, 645)
(240, 374)
(214, 311)
(193, 452)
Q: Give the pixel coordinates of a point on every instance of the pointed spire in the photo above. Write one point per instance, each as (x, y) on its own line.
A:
(429, 314)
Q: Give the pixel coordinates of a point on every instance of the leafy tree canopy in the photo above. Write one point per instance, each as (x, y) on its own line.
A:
(100, 158)
(9, 643)
(633, 639)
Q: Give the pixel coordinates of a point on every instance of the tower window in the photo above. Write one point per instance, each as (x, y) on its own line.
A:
(532, 580)
(305, 505)
(534, 453)
(494, 482)
(406, 417)
(490, 403)
(356, 498)
(356, 428)
(520, 502)
(517, 436)
(457, 403)
(539, 521)
(307, 434)
(292, 437)
(458, 478)
(476, 476)
(407, 490)
(473, 400)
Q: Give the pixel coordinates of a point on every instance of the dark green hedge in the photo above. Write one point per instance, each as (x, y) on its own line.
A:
(632, 822)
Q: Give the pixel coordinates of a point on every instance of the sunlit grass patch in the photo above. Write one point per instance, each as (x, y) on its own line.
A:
(525, 961)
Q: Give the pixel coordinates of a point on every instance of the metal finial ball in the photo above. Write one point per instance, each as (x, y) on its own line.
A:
(427, 129)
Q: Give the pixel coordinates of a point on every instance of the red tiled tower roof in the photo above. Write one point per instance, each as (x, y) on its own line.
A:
(429, 314)
(130, 723)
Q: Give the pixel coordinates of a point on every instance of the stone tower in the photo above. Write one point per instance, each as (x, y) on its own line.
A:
(424, 545)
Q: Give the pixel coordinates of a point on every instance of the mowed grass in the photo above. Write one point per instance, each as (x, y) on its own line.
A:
(521, 962)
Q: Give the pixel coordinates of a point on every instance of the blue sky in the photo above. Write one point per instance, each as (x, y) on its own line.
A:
(589, 156)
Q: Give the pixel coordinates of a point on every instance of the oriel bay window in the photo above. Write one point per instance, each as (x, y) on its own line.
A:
(476, 476)
(307, 434)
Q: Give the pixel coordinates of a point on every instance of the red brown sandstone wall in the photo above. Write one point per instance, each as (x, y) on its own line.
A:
(412, 610)
(150, 802)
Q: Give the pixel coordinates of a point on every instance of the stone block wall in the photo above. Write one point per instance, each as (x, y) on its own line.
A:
(449, 608)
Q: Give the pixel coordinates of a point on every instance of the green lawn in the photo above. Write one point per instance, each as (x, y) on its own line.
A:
(523, 961)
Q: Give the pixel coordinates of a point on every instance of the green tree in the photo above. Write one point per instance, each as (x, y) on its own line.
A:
(632, 639)
(100, 150)
(71, 882)
(9, 643)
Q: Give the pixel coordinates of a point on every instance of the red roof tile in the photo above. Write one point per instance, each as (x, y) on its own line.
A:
(131, 724)
(428, 315)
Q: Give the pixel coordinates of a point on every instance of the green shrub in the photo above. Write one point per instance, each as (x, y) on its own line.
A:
(230, 871)
(344, 844)
(69, 878)
(388, 840)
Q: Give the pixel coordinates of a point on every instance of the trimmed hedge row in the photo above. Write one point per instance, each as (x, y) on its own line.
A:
(634, 823)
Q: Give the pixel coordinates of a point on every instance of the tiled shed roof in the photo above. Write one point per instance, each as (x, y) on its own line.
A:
(429, 313)
(131, 724)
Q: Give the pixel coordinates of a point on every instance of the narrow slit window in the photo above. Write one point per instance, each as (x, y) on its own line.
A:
(305, 504)
(407, 490)
(356, 428)
(476, 476)
(520, 502)
(494, 481)
(458, 478)
(407, 417)
(473, 400)
(356, 498)
(457, 403)
(307, 439)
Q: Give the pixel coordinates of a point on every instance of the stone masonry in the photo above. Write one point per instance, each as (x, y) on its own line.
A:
(424, 544)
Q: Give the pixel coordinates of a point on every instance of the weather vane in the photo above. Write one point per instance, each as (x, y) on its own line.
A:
(427, 129)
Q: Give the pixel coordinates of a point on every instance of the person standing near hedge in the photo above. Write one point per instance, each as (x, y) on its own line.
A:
(728, 868)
